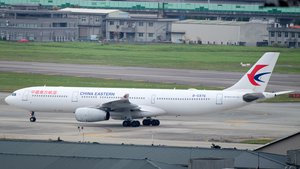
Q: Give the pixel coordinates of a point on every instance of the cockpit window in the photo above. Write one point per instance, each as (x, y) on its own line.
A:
(14, 94)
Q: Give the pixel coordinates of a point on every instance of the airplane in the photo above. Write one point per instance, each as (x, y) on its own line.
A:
(99, 104)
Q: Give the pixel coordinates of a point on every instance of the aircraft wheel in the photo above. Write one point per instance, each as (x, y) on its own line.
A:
(135, 124)
(32, 119)
(126, 123)
(146, 122)
(155, 122)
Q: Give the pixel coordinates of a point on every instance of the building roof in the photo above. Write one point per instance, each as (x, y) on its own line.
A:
(278, 141)
(266, 160)
(57, 162)
(92, 11)
(166, 154)
(15, 153)
(212, 22)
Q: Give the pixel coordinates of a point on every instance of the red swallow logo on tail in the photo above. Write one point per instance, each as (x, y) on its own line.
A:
(254, 78)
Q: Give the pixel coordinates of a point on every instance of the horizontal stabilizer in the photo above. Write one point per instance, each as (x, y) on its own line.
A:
(283, 92)
(249, 97)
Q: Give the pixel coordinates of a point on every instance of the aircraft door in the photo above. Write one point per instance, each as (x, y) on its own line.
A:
(219, 99)
(153, 99)
(75, 96)
(25, 95)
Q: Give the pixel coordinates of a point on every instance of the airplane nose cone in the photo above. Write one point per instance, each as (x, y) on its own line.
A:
(7, 99)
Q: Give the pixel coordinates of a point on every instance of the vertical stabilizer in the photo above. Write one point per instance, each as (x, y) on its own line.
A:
(257, 78)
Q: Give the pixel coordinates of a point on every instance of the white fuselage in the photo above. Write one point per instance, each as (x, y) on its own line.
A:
(173, 102)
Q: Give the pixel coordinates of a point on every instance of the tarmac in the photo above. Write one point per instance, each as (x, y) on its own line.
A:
(278, 82)
(227, 129)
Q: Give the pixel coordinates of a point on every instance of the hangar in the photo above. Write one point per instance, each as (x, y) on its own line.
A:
(220, 32)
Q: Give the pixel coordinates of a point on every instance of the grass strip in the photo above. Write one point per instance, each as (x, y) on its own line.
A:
(177, 56)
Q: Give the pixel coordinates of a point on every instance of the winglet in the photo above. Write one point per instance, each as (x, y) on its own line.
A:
(257, 78)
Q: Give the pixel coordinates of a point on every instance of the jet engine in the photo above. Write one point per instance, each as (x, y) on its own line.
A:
(86, 114)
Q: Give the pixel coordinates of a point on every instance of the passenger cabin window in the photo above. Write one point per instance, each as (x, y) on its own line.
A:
(14, 94)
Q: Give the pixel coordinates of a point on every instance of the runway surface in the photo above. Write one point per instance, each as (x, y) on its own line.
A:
(263, 120)
(278, 82)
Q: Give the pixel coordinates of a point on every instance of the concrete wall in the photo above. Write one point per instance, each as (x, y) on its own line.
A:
(222, 33)
(253, 32)
(137, 30)
(89, 25)
(42, 26)
(208, 34)
(283, 36)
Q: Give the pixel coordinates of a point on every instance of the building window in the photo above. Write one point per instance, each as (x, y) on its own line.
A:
(293, 34)
(286, 34)
(272, 34)
(111, 23)
(150, 24)
(272, 42)
(130, 24)
(279, 34)
(97, 19)
(122, 22)
(279, 42)
(141, 34)
(141, 23)
(83, 19)
(150, 34)
(111, 35)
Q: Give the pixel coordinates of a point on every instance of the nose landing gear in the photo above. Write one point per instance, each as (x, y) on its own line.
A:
(32, 118)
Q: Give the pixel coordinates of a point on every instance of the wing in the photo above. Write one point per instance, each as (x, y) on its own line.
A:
(122, 105)
(125, 107)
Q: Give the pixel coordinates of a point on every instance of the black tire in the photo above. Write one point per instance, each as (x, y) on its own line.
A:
(32, 119)
(155, 122)
(146, 122)
(126, 123)
(135, 124)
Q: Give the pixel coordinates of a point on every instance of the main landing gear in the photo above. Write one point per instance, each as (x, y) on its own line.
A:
(149, 121)
(133, 123)
(32, 118)
(146, 122)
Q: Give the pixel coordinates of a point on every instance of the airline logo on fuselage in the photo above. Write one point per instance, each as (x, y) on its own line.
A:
(254, 77)
(46, 92)
(97, 93)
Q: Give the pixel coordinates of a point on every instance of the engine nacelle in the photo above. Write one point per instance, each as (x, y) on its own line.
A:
(86, 114)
